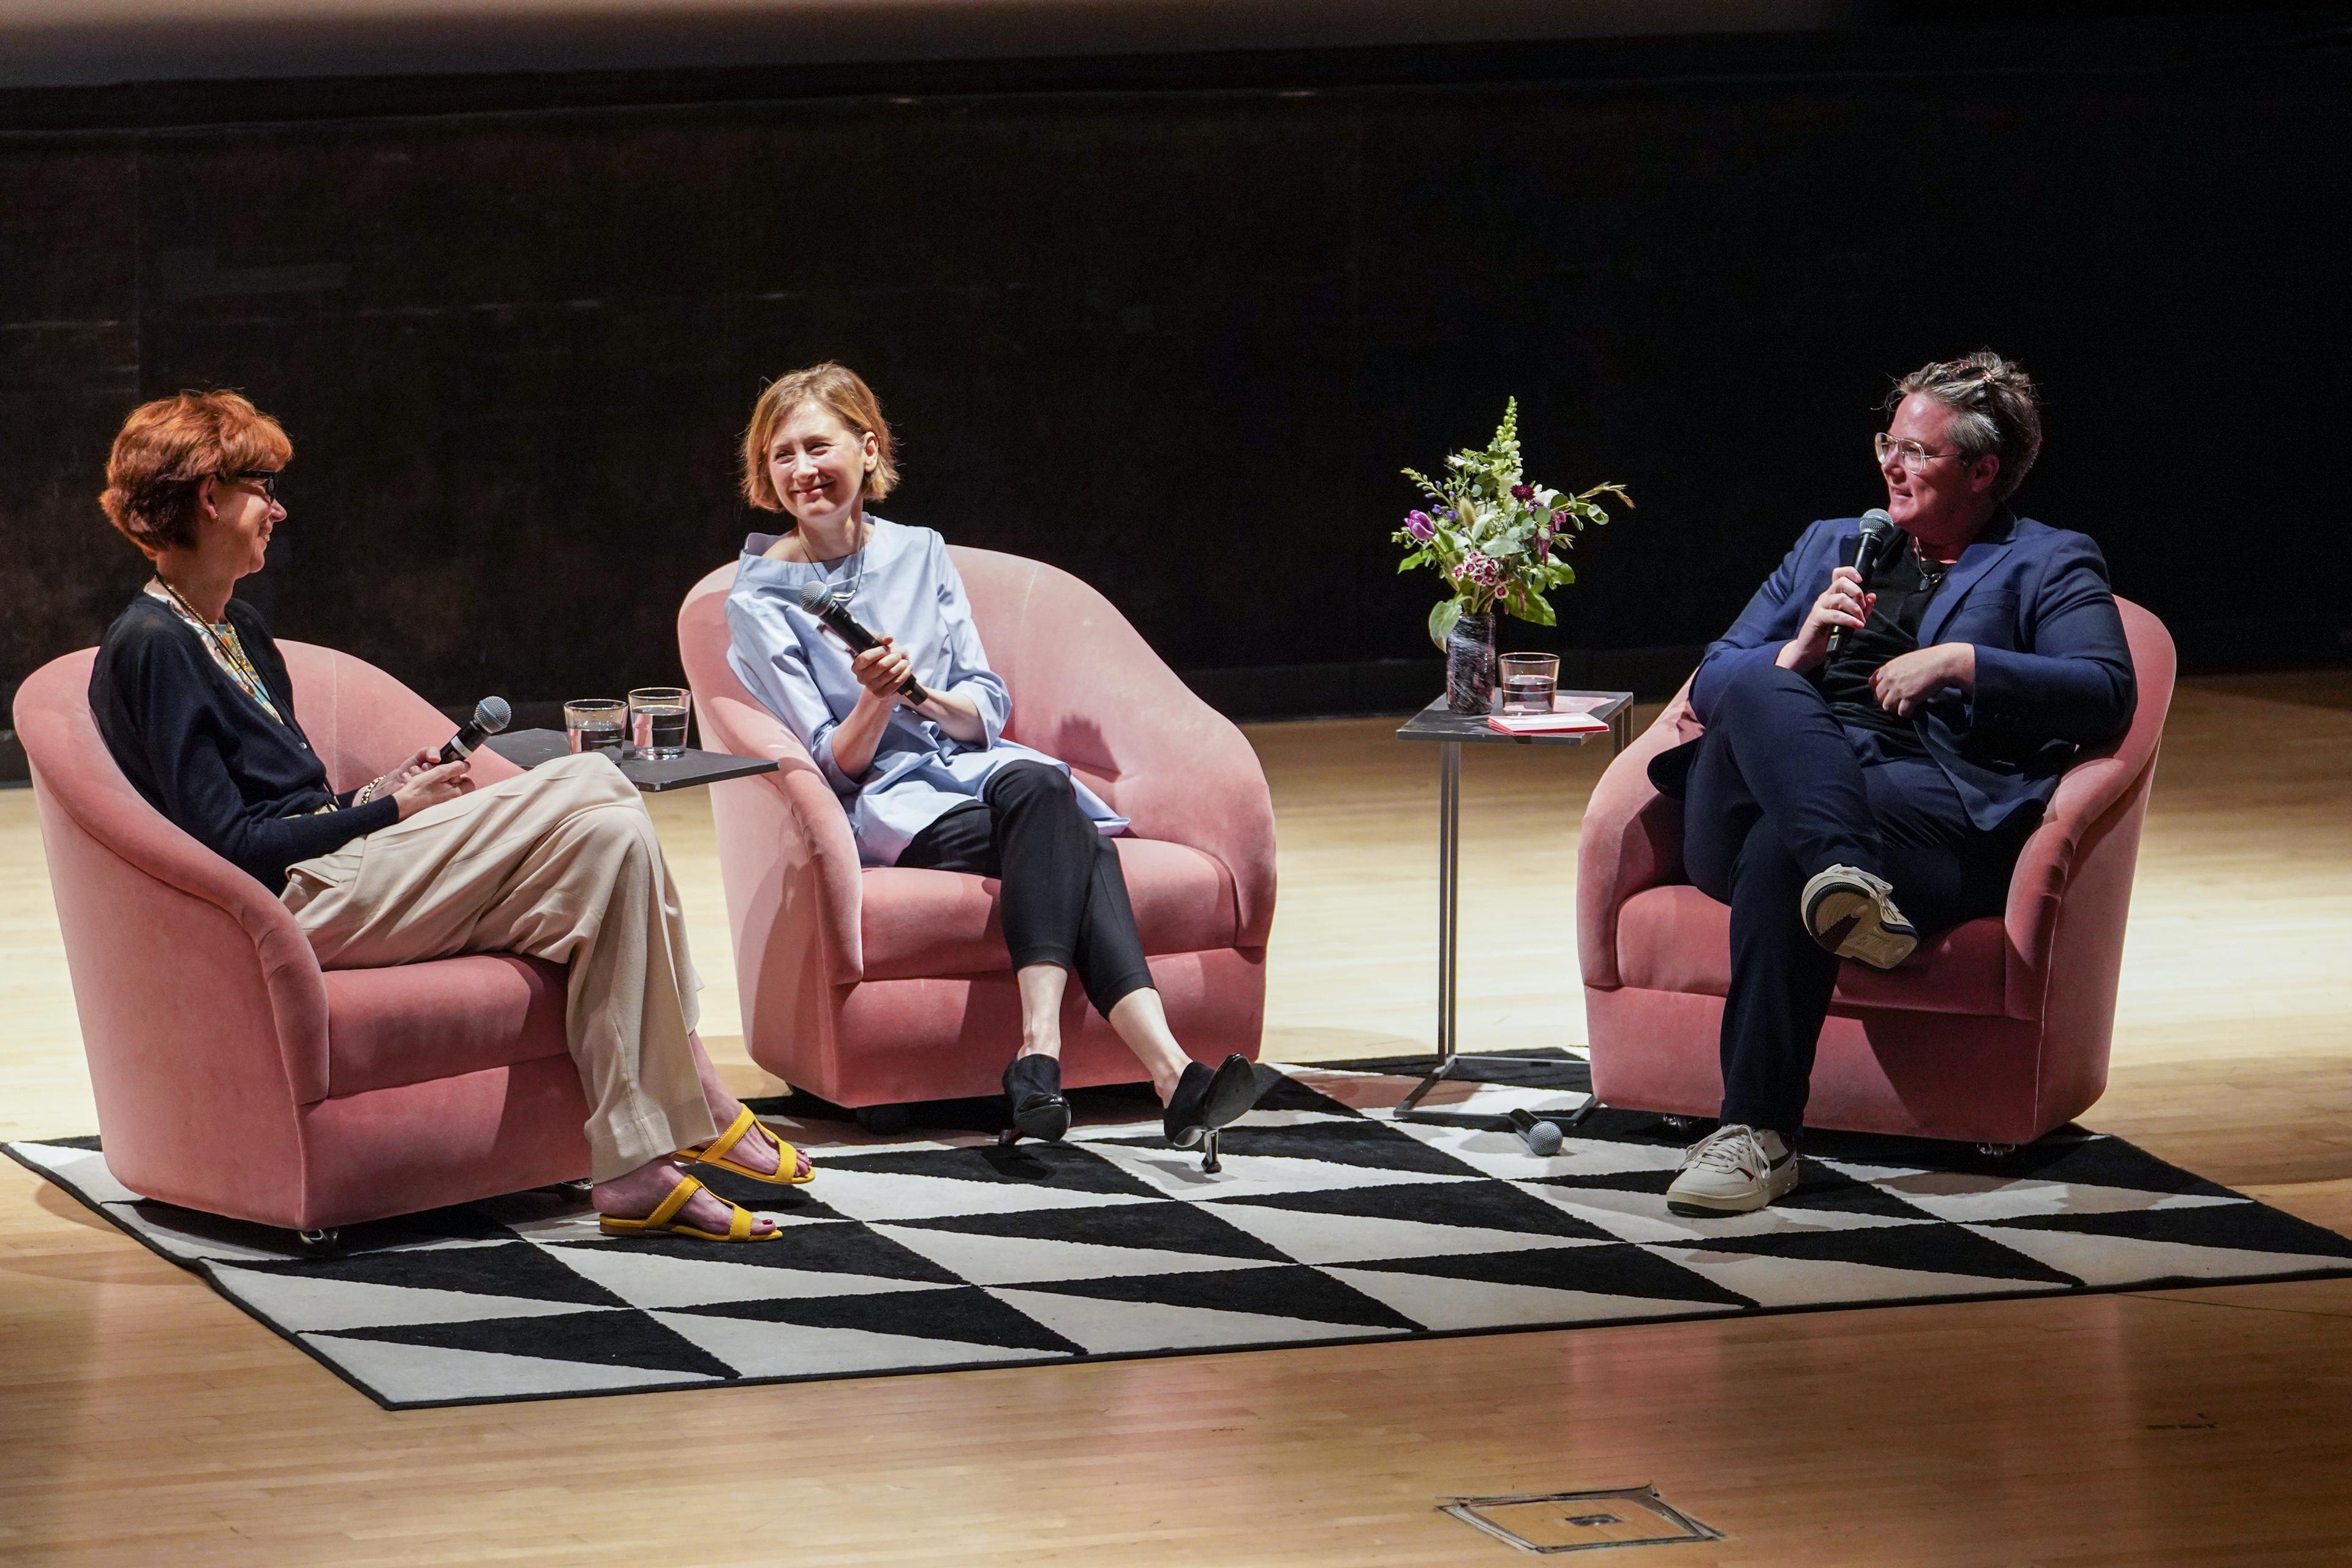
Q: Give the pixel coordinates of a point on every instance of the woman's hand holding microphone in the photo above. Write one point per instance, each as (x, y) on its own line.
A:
(421, 781)
(1903, 684)
(1843, 603)
(882, 670)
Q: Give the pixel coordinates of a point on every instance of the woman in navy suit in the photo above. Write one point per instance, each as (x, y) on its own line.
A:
(1884, 732)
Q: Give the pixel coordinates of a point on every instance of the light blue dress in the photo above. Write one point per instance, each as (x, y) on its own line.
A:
(907, 588)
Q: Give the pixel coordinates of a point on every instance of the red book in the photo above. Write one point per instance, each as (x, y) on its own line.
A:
(1546, 724)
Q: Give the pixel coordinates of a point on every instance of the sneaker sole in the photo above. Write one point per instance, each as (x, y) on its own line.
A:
(1775, 1186)
(1848, 925)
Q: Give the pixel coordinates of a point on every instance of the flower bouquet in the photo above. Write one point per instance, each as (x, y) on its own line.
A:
(1497, 539)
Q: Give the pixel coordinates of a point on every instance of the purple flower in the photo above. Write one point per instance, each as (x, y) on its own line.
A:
(1559, 521)
(1417, 523)
(1523, 492)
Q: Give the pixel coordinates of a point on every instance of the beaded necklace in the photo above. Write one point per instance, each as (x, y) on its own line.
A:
(222, 643)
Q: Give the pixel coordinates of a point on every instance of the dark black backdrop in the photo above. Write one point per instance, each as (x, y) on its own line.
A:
(1175, 327)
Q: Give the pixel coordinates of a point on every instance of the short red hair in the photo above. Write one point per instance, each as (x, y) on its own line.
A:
(169, 448)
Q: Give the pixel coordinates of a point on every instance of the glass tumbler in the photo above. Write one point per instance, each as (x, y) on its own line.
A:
(597, 724)
(1528, 682)
(657, 720)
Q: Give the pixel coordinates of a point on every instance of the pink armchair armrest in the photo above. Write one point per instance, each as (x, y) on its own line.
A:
(1632, 839)
(1090, 690)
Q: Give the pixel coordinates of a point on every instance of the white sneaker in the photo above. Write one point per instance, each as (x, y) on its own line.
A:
(1853, 914)
(1732, 1170)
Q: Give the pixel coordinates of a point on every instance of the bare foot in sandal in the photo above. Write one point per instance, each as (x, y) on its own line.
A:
(638, 1194)
(757, 1149)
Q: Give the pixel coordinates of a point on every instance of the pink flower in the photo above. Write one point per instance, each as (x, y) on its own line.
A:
(1417, 523)
(1483, 571)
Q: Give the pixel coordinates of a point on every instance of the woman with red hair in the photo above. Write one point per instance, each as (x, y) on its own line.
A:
(193, 698)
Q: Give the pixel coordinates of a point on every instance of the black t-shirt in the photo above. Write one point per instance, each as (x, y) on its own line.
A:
(1903, 592)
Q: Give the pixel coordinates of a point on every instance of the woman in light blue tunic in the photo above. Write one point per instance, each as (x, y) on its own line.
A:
(935, 784)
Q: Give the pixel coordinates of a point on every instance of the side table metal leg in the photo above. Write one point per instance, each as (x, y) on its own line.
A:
(1449, 910)
(1449, 891)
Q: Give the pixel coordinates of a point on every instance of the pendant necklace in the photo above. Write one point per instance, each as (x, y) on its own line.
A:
(231, 655)
(1931, 573)
(856, 569)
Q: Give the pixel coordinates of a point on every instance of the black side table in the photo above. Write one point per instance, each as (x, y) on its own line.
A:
(528, 748)
(1452, 731)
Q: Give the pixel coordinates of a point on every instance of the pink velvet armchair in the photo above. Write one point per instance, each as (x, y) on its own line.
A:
(1993, 1033)
(232, 1074)
(878, 986)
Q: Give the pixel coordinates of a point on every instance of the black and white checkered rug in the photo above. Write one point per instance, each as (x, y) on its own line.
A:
(1329, 1222)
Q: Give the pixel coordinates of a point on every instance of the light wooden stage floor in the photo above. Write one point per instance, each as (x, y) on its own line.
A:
(144, 1420)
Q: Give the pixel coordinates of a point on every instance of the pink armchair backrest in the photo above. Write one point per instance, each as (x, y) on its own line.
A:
(1086, 687)
(2079, 860)
(202, 1007)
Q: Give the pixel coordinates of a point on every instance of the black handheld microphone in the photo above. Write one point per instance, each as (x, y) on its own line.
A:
(817, 600)
(1874, 524)
(491, 715)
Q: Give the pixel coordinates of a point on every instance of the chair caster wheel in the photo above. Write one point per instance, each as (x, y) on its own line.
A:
(1996, 1151)
(319, 1243)
(884, 1121)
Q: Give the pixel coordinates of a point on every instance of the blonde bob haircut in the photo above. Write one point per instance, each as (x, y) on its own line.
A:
(840, 392)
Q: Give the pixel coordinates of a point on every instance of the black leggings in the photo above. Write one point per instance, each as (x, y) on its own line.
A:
(1064, 898)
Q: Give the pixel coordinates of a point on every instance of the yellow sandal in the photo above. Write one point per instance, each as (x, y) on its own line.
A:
(664, 1220)
(715, 1153)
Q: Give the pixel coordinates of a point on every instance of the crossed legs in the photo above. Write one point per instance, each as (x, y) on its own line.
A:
(562, 864)
(1777, 793)
(1065, 908)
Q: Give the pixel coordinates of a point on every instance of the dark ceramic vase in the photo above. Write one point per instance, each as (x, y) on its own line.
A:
(1470, 665)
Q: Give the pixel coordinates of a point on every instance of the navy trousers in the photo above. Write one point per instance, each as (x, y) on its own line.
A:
(1776, 790)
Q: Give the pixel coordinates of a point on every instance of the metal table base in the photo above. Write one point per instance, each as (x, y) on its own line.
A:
(1451, 732)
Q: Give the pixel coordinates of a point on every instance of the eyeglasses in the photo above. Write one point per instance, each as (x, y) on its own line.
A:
(1915, 457)
(263, 479)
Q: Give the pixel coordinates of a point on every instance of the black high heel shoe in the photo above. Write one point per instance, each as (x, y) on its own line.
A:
(1205, 1101)
(1033, 1086)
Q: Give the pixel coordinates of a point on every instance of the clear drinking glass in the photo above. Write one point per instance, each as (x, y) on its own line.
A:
(657, 720)
(597, 724)
(1528, 682)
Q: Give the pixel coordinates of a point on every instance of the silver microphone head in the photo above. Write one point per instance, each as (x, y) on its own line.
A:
(491, 715)
(1874, 522)
(815, 595)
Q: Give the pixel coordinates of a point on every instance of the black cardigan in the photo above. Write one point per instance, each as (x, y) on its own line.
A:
(206, 755)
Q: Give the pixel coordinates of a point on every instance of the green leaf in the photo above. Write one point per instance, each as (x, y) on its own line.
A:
(1441, 617)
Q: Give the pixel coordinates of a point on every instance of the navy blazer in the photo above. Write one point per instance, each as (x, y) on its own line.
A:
(2054, 671)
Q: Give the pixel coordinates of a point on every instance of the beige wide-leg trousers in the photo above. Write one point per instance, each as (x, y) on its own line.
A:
(561, 863)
